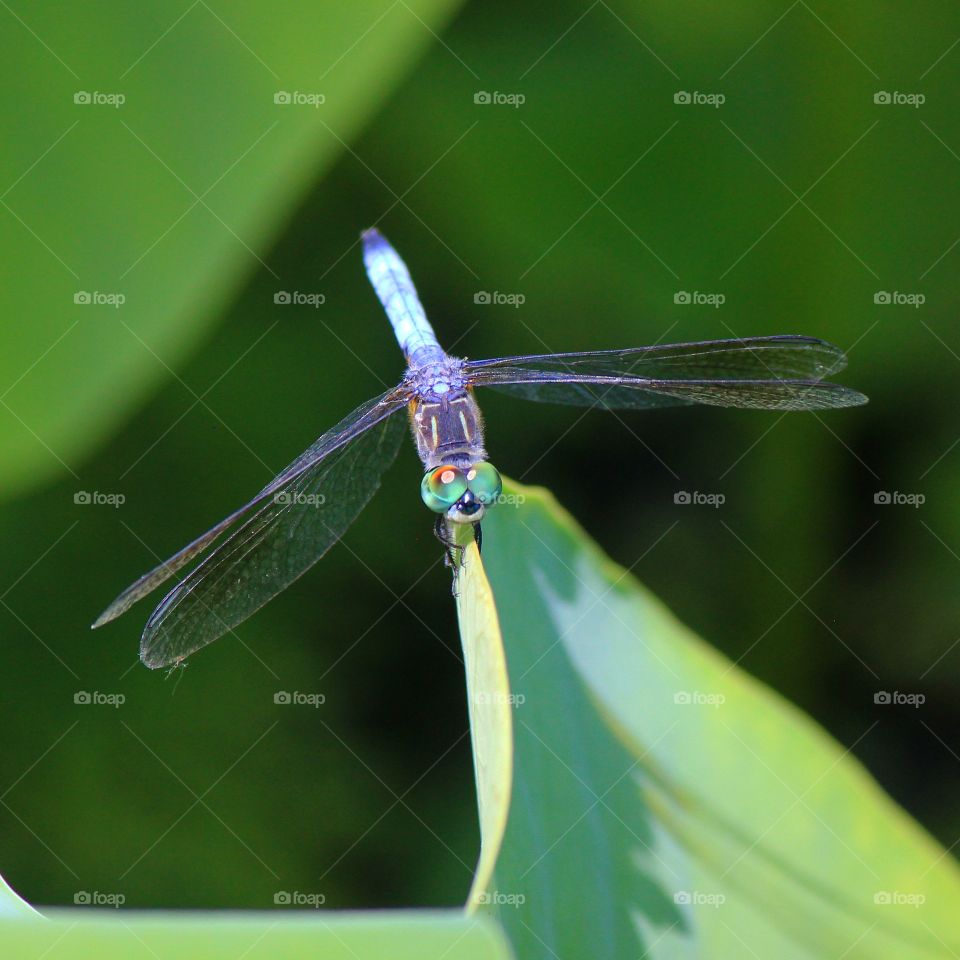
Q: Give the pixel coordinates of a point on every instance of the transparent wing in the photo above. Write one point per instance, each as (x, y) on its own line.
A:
(783, 356)
(779, 372)
(286, 528)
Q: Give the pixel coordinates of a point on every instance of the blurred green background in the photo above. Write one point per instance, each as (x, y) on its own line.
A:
(597, 201)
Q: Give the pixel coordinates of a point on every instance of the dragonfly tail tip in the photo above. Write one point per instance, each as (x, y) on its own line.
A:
(111, 613)
(372, 237)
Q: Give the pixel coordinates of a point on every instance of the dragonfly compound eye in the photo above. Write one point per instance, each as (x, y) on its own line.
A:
(442, 487)
(484, 482)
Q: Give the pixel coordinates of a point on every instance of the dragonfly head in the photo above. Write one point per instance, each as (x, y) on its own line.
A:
(462, 495)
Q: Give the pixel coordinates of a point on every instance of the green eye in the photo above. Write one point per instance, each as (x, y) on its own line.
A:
(484, 482)
(442, 487)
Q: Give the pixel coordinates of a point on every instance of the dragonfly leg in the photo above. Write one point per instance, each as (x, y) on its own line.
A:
(451, 559)
(177, 667)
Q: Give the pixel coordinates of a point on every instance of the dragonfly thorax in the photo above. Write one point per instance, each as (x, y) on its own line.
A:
(440, 379)
(448, 429)
(445, 419)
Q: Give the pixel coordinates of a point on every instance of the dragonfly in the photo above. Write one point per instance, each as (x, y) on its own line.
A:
(261, 548)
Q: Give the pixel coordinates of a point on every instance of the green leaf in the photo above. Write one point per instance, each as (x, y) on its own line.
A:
(664, 801)
(488, 700)
(169, 199)
(10, 903)
(422, 935)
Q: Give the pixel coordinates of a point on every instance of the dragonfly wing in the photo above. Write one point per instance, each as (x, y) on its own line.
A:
(368, 428)
(607, 393)
(749, 358)
(782, 372)
(286, 535)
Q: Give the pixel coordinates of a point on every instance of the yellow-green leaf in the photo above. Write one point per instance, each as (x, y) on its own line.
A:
(400, 935)
(666, 804)
(489, 703)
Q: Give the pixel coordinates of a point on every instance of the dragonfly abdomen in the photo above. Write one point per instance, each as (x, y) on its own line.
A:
(392, 283)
